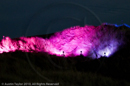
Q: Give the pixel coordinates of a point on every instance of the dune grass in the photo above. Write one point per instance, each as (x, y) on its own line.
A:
(14, 67)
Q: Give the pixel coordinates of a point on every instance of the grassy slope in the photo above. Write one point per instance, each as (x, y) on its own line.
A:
(113, 71)
(16, 68)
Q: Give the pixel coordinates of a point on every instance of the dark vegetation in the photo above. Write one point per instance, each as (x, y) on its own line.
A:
(73, 71)
(112, 71)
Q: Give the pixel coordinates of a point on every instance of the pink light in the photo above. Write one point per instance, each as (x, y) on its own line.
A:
(71, 40)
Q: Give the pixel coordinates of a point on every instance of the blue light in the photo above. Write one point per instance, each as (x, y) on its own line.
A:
(127, 25)
(118, 25)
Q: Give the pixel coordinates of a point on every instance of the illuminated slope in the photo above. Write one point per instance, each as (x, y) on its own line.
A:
(93, 41)
(24, 44)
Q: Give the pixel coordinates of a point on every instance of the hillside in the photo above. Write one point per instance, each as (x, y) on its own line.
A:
(41, 67)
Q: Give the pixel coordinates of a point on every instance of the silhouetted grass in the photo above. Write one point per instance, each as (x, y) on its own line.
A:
(76, 71)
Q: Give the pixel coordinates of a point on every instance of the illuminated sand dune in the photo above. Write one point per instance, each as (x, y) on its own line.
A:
(93, 41)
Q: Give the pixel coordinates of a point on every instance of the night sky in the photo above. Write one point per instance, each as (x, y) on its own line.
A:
(36, 17)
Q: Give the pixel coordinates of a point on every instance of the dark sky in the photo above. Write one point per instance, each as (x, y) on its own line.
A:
(37, 17)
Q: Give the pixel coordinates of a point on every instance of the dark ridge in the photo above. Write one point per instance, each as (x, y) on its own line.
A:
(17, 63)
(117, 66)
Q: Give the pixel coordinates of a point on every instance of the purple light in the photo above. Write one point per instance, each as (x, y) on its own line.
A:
(85, 39)
(101, 40)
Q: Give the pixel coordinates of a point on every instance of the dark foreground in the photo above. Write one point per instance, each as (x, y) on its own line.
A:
(30, 68)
